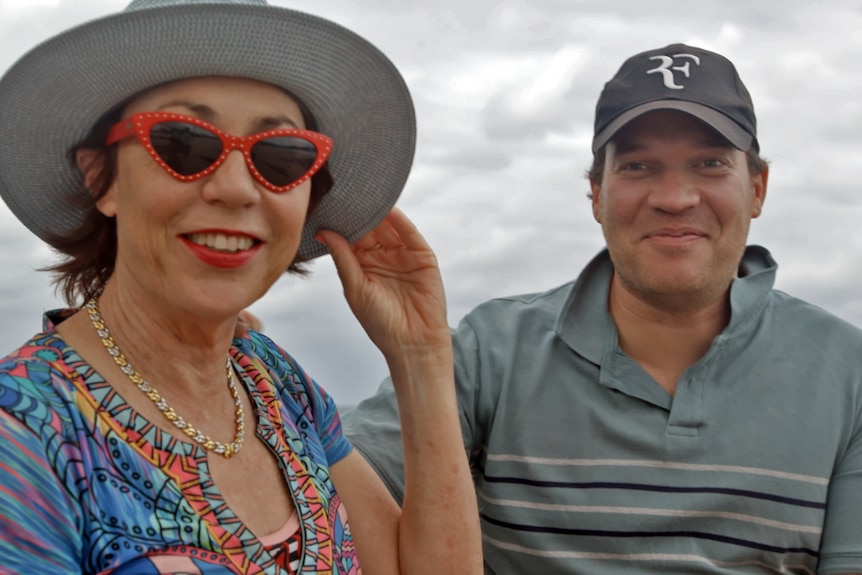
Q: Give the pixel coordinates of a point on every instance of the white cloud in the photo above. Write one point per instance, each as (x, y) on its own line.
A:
(505, 93)
(17, 8)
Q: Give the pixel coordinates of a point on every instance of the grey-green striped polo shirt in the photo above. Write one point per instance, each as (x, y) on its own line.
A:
(584, 464)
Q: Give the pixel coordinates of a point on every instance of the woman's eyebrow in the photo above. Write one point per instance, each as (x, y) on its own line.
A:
(208, 114)
(203, 111)
(271, 122)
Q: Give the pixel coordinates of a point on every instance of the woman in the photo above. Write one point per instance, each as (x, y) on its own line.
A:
(138, 435)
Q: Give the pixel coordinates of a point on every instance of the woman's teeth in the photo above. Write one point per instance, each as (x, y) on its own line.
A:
(222, 242)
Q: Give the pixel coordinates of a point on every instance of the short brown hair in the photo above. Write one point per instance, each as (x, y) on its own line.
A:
(90, 250)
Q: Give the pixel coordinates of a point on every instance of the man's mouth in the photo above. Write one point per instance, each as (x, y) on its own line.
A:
(676, 233)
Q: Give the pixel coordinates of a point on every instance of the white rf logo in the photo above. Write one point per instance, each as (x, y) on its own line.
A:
(666, 68)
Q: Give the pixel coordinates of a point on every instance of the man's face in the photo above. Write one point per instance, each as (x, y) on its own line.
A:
(675, 204)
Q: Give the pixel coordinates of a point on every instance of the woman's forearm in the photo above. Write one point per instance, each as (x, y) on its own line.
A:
(439, 514)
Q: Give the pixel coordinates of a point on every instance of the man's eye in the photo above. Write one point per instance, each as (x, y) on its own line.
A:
(634, 167)
(713, 163)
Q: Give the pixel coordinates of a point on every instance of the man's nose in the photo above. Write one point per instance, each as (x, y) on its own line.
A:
(674, 190)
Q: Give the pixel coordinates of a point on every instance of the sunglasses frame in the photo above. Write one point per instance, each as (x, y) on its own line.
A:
(140, 124)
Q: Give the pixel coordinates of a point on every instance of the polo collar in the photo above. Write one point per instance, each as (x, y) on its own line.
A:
(585, 324)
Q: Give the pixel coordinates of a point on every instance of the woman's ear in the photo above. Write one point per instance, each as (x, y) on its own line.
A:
(91, 163)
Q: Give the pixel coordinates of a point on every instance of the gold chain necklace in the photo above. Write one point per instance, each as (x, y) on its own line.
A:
(205, 441)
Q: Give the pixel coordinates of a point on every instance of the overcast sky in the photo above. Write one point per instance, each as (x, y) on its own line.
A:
(505, 92)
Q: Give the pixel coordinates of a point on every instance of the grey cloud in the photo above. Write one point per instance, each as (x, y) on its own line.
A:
(497, 187)
(473, 159)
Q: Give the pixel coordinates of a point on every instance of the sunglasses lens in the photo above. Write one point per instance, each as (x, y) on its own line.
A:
(284, 159)
(186, 148)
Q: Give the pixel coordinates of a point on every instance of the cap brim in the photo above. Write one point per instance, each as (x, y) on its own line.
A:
(52, 96)
(730, 130)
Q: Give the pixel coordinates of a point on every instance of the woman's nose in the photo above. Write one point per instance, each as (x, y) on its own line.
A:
(232, 183)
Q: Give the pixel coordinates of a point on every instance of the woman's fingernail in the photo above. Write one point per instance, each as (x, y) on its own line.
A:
(319, 238)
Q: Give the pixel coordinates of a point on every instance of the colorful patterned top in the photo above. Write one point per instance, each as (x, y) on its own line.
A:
(87, 485)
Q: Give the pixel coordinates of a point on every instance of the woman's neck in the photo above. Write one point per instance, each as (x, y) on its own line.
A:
(164, 342)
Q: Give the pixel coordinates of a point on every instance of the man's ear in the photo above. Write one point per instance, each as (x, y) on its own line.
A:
(91, 163)
(758, 184)
(594, 197)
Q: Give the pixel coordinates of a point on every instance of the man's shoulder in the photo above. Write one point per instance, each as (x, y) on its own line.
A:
(553, 297)
(800, 318)
(581, 300)
(531, 305)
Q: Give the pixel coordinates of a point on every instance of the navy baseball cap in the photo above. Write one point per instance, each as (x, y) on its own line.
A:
(678, 77)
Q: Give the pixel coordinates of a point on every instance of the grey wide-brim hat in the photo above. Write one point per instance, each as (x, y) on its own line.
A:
(52, 96)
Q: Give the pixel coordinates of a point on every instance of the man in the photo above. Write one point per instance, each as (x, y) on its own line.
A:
(668, 411)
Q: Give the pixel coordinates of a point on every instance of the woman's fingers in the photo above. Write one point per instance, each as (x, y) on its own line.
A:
(393, 253)
(406, 230)
(395, 231)
(346, 264)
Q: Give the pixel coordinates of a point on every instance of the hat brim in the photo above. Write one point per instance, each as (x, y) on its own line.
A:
(50, 99)
(730, 130)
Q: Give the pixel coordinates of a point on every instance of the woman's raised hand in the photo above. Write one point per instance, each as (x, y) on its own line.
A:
(392, 283)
